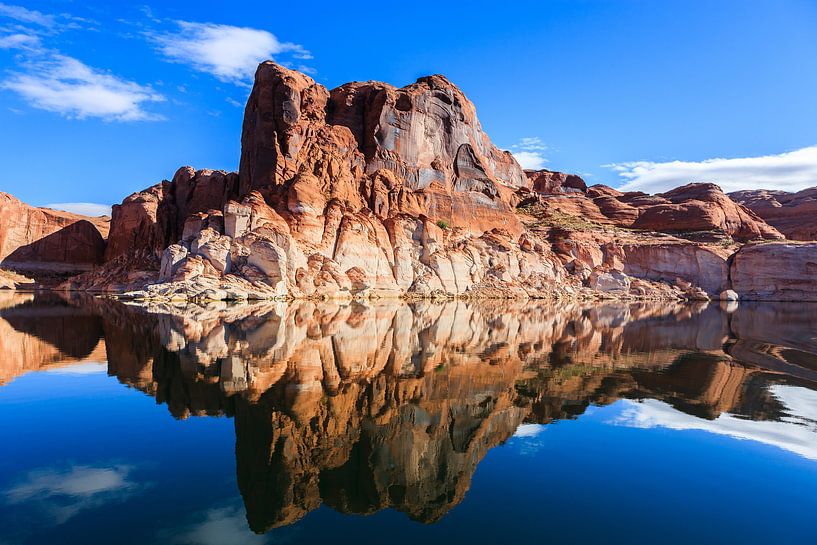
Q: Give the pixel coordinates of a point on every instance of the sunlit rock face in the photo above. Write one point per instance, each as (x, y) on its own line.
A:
(365, 407)
(793, 214)
(373, 191)
(781, 271)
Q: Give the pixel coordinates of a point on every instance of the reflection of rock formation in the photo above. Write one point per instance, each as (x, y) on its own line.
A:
(393, 405)
(406, 442)
(37, 333)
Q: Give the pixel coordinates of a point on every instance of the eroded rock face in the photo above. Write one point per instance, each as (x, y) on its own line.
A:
(369, 190)
(155, 218)
(696, 207)
(704, 207)
(779, 271)
(548, 181)
(793, 214)
(38, 238)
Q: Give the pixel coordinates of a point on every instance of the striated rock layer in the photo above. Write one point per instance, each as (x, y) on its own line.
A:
(793, 214)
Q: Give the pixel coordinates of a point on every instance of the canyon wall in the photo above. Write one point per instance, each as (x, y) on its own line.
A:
(41, 238)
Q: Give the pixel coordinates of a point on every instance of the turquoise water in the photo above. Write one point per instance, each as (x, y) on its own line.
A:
(392, 423)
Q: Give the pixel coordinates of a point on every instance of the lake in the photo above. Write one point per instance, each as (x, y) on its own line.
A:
(392, 422)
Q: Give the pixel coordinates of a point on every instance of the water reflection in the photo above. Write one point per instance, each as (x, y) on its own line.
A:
(366, 407)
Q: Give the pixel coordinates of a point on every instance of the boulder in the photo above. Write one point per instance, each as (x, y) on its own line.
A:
(666, 262)
(610, 282)
(172, 258)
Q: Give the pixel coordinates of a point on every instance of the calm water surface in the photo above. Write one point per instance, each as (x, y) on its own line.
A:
(397, 423)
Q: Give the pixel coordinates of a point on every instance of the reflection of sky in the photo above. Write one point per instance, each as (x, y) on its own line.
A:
(61, 493)
(85, 368)
(797, 432)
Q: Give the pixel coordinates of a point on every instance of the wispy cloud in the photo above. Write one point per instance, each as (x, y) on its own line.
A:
(65, 85)
(19, 40)
(44, 22)
(25, 15)
(229, 53)
(529, 153)
(49, 80)
(84, 208)
(233, 102)
(790, 171)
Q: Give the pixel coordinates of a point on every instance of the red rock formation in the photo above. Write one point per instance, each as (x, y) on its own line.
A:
(154, 218)
(777, 271)
(41, 238)
(372, 190)
(704, 207)
(793, 214)
(548, 181)
(690, 208)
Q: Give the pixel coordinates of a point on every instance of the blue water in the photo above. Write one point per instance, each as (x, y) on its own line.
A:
(578, 481)
(87, 459)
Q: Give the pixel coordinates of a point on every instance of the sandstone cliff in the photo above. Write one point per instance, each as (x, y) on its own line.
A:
(369, 190)
(793, 214)
(41, 238)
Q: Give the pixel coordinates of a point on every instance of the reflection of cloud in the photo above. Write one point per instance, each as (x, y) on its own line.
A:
(220, 525)
(528, 430)
(86, 368)
(527, 439)
(796, 433)
(62, 493)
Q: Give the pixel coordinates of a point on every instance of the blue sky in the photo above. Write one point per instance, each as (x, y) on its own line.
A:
(98, 101)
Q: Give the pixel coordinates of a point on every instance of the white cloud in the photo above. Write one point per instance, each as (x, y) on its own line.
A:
(233, 102)
(84, 208)
(229, 53)
(20, 41)
(530, 160)
(46, 23)
(66, 86)
(25, 15)
(790, 171)
(797, 432)
(529, 153)
(531, 143)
